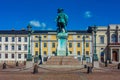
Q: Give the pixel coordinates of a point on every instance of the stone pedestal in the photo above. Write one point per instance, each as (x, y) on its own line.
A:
(62, 44)
(96, 64)
(29, 64)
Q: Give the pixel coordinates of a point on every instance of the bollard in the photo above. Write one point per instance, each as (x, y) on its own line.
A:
(24, 62)
(35, 69)
(85, 66)
(106, 64)
(17, 64)
(89, 69)
(4, 65)
(118, 65)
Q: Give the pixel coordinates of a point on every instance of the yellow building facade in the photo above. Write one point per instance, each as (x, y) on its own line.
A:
(48, 43)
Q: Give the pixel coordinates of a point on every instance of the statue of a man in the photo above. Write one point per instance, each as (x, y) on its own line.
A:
(62, 20)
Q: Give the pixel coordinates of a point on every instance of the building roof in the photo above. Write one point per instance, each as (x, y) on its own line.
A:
(42, 31)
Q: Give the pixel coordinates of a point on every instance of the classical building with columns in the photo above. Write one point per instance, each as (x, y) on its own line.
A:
(14, 43)
(107, 42)
(77, 46)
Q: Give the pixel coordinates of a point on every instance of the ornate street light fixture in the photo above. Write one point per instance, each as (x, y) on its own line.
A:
(29, 55)
(95, 57)
(83, 58)
(40, 56)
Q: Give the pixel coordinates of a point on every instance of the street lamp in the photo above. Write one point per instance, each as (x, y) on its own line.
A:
(95, 57)
(29, 55)
(83, 58)
(40, 56)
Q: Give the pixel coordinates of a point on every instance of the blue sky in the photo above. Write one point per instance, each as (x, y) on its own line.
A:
(41, 14)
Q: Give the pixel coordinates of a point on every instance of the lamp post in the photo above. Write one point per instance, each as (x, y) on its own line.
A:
(29, 55)
(95, 57)
(83, 58)
(39, 57)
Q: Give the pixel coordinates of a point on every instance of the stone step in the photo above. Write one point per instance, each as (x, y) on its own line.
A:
(62, 60)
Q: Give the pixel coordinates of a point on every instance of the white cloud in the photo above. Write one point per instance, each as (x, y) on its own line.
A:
(88, 14)
(35, 23)
(43, 25)
(49, 29)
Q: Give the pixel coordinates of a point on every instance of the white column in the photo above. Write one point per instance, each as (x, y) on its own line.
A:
(119, 55)
(32, 45)
(49, 45)
(74, 45)
(82, 47)
(91, 53)
(41, 46)
(111, 54)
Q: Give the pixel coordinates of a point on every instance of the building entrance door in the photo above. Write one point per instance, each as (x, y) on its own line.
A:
(114, 54)
(102, 56)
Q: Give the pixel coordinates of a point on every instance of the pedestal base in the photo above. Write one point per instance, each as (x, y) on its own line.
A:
(62, 44)
(29, 64)
(96, 64)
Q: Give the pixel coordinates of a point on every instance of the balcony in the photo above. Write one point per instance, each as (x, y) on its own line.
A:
(116, 43)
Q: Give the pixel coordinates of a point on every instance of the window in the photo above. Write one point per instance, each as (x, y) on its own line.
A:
(113, 38)
(78, 52)
(25, 39)
(19, 39)
(78, 36)
(45, 36)
(0, 39)
(36, 36)
(6, 47)
(6, 55)
(102, 39)
(70, 45)
(13, 39)
(25, 56)
(87, 44)
(19, 47)
(87, 52)
(0, 47)
(45, 52)
(6, 39)
(70, 52)
(36, 52)
(25, 47)
(36, 45)
(45, 44)
(0, 55)
(78, 44)
(53, 45)
(19, 56)
(53, 52)
(87, 36)
(12, 47)
(12, 56)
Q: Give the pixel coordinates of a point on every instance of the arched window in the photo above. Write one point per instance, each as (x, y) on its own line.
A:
(113, 38)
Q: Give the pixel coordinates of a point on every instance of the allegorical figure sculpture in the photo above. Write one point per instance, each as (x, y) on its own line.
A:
(62, 21)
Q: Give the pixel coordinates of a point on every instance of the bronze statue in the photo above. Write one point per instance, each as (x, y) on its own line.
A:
(62, 20)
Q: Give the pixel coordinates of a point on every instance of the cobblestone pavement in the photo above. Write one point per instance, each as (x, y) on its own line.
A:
(41, 76)
(60, 74)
